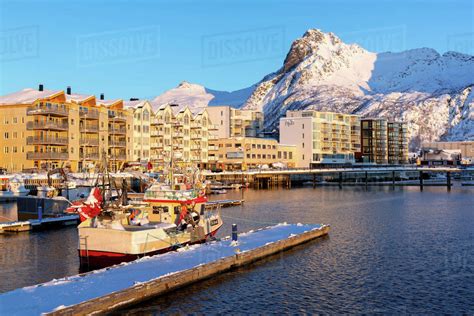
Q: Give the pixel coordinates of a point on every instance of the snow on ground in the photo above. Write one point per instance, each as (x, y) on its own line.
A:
(72, 290)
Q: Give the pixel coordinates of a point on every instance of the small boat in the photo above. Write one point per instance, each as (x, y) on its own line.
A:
(11, 188)
(175, 216)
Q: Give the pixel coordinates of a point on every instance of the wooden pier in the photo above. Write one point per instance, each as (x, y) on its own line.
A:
(363, 176)
(111, 289)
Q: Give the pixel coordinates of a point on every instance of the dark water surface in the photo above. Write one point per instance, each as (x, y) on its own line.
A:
(389, 251)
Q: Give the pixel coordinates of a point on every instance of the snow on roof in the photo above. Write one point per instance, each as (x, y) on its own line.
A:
(108, 102)
(27, 96)
(134, 104)
(78, 97)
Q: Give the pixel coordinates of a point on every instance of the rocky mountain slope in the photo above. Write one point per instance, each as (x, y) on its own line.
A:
(433, 93)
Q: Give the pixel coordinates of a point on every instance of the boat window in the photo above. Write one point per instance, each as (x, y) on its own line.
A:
(177, 209)
(203, 208)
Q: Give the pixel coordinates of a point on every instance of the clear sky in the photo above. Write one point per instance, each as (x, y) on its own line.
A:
(142, 48)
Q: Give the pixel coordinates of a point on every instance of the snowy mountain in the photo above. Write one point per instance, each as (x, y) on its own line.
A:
(433, 93)
(197, 96)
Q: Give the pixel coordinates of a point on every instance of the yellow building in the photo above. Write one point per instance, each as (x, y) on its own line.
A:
(321, 137)
(45, 129)
(181, 135)
(142, 118)
(244, 153)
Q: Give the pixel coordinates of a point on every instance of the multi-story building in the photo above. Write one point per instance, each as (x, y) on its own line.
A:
(180, 135)
(374, 140)
(321, 137)
(233, 122)
(397, 141)
(243, 153)
(383, 141)
(142, 117)
(45, 129)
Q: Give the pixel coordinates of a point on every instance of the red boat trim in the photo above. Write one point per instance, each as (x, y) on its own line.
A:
(196, 200)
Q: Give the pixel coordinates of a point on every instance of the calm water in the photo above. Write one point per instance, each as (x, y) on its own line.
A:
(389, 251)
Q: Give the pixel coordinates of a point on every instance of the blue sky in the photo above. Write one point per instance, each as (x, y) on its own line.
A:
(142, 48)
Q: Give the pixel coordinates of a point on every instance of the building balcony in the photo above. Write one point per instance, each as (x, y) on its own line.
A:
(50, 125)
(212, 137)
(178, 135)
(89, 156)
(213, 127)
(117, 143)
(196, 136)
(46, 140)
(89, 128)
(89, 114)
(89, 142)
(117, 130)
(196, 158)
(48, 109)
(47, 155)
(117, 117)
(196, 147)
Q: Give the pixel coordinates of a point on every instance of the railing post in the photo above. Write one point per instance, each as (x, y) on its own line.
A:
(340, 180)
(421, 180)
(234, 232)
(448, 180)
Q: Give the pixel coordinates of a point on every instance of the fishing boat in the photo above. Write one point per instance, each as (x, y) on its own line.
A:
(175, 215)
(11, 188)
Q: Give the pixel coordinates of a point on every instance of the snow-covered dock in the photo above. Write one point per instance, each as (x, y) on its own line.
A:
(44, 223)
(109, 289)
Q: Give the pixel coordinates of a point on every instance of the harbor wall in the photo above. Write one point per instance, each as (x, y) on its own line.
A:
(162, 285)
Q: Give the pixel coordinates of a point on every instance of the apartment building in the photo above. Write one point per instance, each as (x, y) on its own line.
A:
(244, 153)
(46, 129)
(374, 140)
(397, 141)
(142, 117)
(180, 135)
(321, 137)
(233, 122)
(383, 141)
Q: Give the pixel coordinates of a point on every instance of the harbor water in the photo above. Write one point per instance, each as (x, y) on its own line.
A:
(389, 251)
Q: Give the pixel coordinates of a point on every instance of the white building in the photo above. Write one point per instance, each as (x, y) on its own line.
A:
(321, 137)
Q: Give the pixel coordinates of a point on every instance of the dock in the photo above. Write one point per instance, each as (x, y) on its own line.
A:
(107, 290)
(224, 203)
(39, 224)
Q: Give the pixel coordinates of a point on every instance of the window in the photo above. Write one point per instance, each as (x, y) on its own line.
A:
(15, 120)
(14, 135)
(72, 121)
(6, 120)
(14, 149)
(6, 136)
(23, 120)
(5, 149)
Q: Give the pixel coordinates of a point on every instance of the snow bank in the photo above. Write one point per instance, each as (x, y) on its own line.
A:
(57, 294)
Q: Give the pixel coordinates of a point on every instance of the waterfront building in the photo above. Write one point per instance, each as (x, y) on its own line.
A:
(142, 116)
(383, 141)
(321, 137)
(181, 135)
(374, 140)
(233, 122)
(466, 148)
(46, 129)
(244, 153)
(397, 143)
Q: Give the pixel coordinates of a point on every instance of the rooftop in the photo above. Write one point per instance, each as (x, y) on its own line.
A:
(27, 96)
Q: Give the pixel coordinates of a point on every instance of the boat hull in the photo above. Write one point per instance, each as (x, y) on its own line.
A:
(93, 259)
